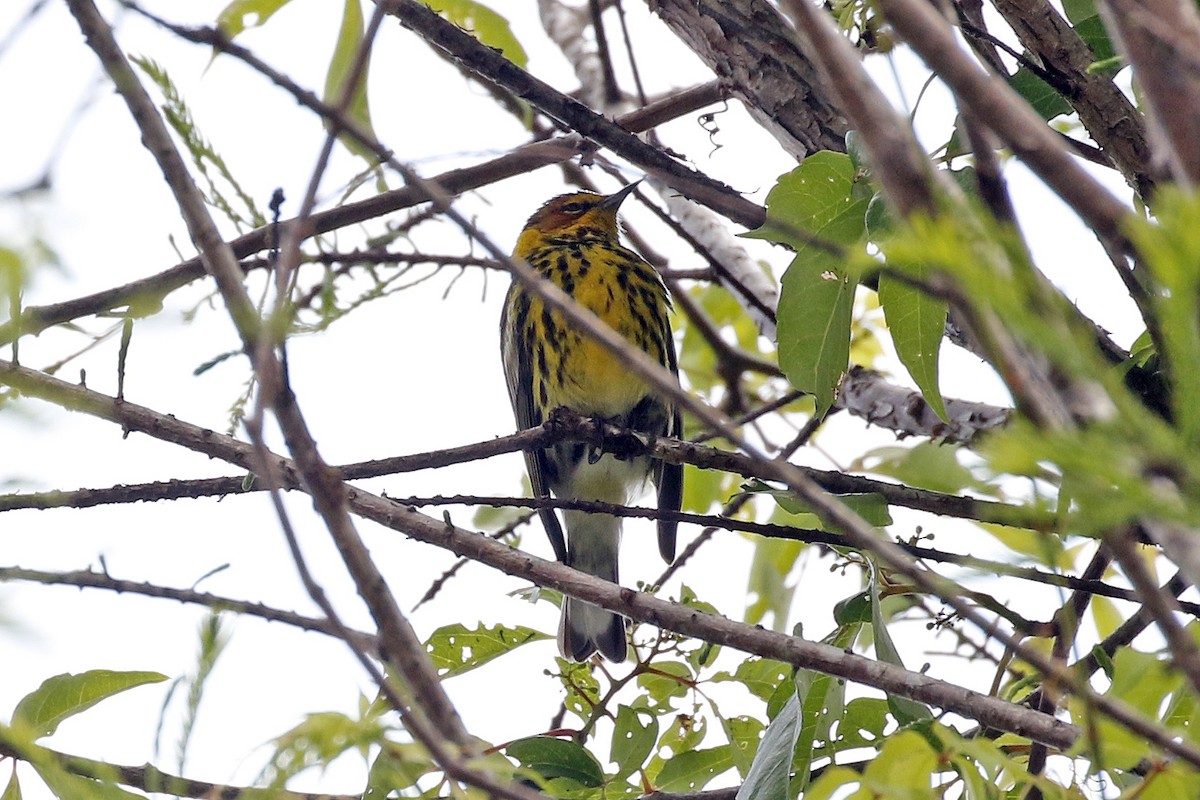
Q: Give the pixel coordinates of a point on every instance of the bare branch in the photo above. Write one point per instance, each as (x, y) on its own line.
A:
(431, 717)
(866, 394)
(102, 580)
(495, 68)
(526, 158)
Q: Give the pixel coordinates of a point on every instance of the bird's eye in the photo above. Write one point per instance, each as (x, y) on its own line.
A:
(575, 208)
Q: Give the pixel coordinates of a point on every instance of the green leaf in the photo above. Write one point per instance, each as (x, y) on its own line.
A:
(557, 758)
(684, 735)
(690, 771)
(669, 679)
(917, 323)
(862, 724)
(582, 687)
(924, 466)
(44, 709)
(1090, 27)
(486, 25)
(455, 649)
(870, 506)
(768, 778)
(1141, 680)
(320, 739)
(814, 315)
(855, 609)
(397, 767)
(823, 704)
(822, 699)
(242, 14)
(817, 295)
(744, 735)
(814, 329)
(704, 488)
(1171, 781)
(13, 276)
(1038, 547)
(350, 42)
(1047, 102)
(1169, 246)
(1106, 616)
(213, 640)
(761, 676)
(1104, 660)
(1183, 714)
(13, 790)
(831, 783)
(209, 165)
(768, 590)
(904, 767)
(633, 739)
(781, 696)
(904, 710)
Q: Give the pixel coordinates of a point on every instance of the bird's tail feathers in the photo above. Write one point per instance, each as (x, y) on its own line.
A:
(593, 541)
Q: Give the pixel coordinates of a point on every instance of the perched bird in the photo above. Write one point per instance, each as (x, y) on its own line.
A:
(574, 241)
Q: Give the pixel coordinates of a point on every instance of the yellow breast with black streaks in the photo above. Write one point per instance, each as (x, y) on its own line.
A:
(584, 258)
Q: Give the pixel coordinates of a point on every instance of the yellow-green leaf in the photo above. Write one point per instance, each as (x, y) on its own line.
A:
(917, 322)
(42, 710)
(242, 14)
(350, 42)
(485, 24)
(455, 649)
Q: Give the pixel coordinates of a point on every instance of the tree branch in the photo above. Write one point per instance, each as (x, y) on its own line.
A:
(1105, 111)
(493, 67)
(526, 158)
(102, 580)
(423, 703)
(563, 426)
(148, 778)
(990, 711)
(995, 104)
(864, 393)
(747, 45)
(1160, 38)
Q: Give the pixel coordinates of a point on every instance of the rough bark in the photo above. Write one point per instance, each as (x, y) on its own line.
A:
(758, 56)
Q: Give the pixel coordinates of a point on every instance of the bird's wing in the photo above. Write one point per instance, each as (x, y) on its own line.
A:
(668, 478)
(516, 350)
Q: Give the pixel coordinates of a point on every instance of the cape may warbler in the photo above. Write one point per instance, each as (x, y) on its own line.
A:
(573, 240)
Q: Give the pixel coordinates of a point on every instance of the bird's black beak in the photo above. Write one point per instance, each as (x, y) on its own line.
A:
(615, 199)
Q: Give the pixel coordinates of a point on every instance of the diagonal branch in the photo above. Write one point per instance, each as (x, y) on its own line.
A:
(992, 102)
(526, 158)
(1105, 111)
(102, 580)
(148, 778)
(1160, 38)
(493, 67)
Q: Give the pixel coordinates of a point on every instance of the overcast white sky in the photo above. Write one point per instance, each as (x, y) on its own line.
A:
(408, 374)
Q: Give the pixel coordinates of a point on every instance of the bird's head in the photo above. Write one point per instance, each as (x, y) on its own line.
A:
(577, 211)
